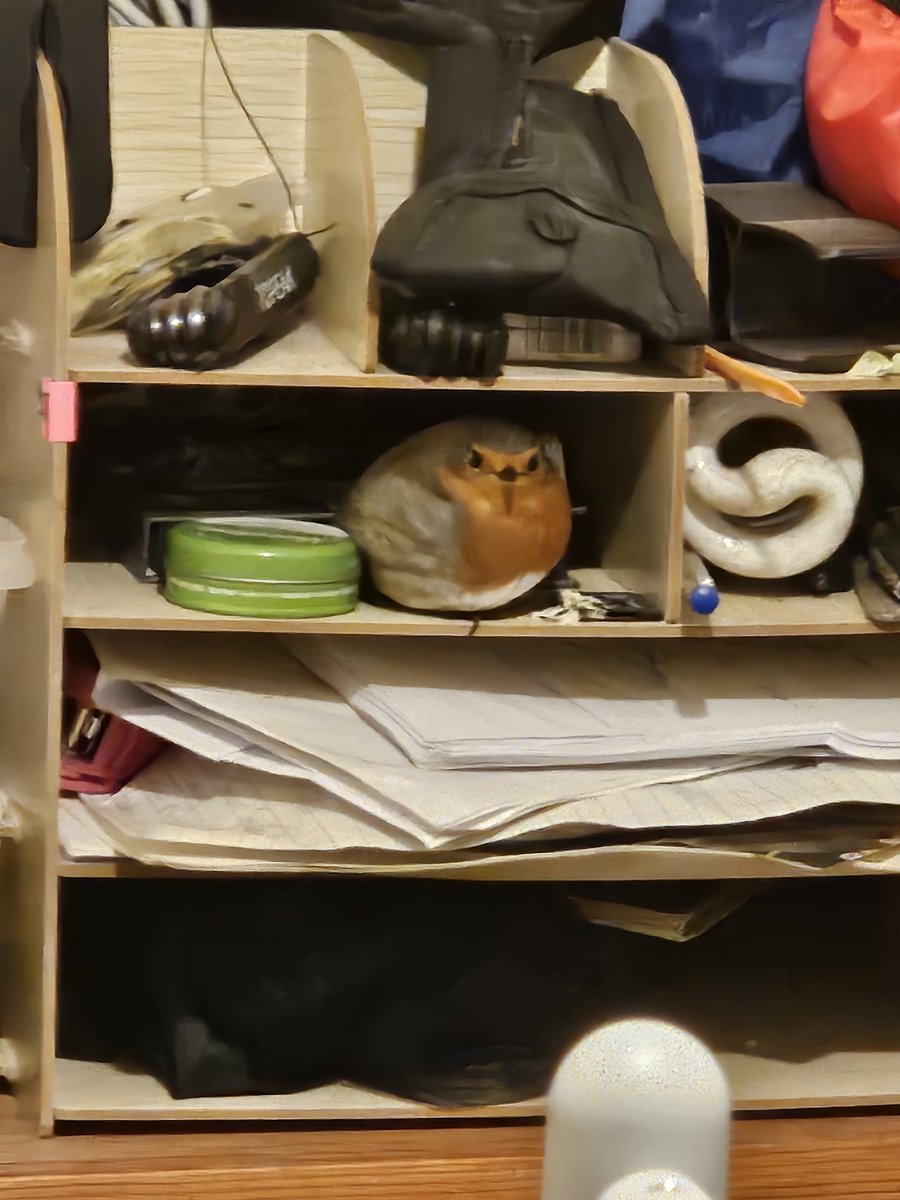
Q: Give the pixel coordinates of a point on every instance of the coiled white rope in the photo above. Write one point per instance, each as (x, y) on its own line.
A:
(785, 510)
(148, 13)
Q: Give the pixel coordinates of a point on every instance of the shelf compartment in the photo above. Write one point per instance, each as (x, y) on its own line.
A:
(797, 1019)
(170, 135)
(624, 462)
(344, 119)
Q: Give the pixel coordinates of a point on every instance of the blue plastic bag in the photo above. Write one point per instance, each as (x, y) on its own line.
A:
(741, 65)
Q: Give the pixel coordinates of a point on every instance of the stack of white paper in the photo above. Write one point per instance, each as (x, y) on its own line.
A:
(450, 704)
(265, 711)
(272, 770)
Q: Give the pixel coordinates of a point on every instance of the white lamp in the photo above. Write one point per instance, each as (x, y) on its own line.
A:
(638, 1110)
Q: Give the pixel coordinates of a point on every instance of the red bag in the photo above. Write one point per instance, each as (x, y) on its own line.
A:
(853, 105)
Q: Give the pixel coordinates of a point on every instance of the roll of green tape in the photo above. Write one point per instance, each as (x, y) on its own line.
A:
(261, 567)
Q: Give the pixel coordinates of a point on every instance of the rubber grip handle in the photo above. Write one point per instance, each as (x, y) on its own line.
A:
(208, 326)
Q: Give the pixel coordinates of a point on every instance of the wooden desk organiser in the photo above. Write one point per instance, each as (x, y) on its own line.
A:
(626, 430)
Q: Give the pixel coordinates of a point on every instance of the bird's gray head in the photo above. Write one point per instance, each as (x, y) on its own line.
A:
(500, 450)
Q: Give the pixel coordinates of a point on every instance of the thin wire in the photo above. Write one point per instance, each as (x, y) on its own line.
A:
(211, 36)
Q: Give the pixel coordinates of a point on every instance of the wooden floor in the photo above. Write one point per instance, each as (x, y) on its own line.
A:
(817, 1158)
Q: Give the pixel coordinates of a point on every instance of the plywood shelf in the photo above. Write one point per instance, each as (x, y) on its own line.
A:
(820, 382)
(106, 596)
(762, 609)
(307, 358)
(102, 1092)
(88, 1091)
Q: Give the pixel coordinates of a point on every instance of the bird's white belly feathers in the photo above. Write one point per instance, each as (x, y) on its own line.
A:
(443, 595)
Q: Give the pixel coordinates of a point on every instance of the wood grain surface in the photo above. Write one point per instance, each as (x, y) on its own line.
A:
(33, 297)
(106, 596)
(844, 1158)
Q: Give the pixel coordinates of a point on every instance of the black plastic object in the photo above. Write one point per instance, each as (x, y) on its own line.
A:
(625, 606)
(437, 342)
(206, 326)
(833, 575)
(74, 35)
(796, 280)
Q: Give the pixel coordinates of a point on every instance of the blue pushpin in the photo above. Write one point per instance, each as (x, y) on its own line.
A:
(704, 595)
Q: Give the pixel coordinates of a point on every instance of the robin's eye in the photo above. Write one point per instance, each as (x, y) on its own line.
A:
(533, 463)
(475, 460)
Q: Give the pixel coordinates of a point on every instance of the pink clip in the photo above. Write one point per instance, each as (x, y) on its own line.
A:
(59, 410)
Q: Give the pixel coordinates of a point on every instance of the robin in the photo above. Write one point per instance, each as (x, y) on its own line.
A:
(466, 516)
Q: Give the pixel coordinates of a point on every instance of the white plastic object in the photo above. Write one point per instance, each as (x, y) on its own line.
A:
(11, 1065)
(16, 565)
(654, 1185)
(786, 510)
(638, 1105)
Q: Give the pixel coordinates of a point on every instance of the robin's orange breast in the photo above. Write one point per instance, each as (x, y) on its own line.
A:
(511, 530)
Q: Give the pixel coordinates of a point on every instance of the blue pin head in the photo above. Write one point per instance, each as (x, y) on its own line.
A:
(704, 599)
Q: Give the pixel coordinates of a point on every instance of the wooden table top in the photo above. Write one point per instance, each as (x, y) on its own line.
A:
(810, 1158)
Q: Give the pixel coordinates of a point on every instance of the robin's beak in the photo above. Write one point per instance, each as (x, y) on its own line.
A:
(508, 474)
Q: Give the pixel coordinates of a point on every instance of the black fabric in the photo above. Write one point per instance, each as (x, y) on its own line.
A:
(394, 19)
(75, 38)
(447, 993)
(567, 225)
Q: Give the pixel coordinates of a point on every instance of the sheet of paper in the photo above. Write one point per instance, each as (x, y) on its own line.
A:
(624, 861)
(654, 910)
(517, 702)
(188, 805)
(185, 800)
(267, 702)
(741, 798)
(80, 837)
